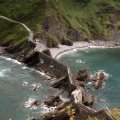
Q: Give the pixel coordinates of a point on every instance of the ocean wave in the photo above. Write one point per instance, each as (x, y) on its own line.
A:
(70, 51)
(29, 104)
(79, 61)
(35, 86)
(107, 75)
(4, 71)
(42, 73)
(12, 60)
(66, 52)
(32, 69)
(24, 67)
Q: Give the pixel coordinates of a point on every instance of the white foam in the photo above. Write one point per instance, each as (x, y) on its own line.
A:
(4, 71)
(73, 50)
(41, 73)
(106, 75)
(102, 100)
(89, 83)
(79, 61)
(46, 109)
(24, 83)
(29, 102)
(36, 86)
(10, 59)
(24, 67)
(1, 74)
(69, 51)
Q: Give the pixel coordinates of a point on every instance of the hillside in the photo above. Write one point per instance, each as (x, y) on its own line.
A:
(55, 21)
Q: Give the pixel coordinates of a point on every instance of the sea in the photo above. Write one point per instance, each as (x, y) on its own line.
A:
(98, 59)
(16, 90)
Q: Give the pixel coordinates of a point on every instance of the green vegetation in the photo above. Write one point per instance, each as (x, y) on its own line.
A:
(52, 41)
(91, 19)
(116, 113)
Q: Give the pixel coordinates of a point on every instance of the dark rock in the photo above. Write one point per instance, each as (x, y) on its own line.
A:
(66, 42)
(31, 59)
(52, 101)
(89, 99)
(31, 44)
(117, 44)
(35, 103)
(86, 39)
(83, 75)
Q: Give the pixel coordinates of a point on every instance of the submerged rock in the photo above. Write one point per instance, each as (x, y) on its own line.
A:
(35, 103)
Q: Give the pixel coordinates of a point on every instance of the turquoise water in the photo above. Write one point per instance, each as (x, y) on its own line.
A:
(16, 84)
(99, 59)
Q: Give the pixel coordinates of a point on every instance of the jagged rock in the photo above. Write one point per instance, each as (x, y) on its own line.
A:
(89, 99)
(83, 75)
(52, 101)
(35, 103)
(31, 59)
(77, 95)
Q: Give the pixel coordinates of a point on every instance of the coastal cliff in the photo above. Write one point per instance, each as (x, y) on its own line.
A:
(54, 22)
(58, 21)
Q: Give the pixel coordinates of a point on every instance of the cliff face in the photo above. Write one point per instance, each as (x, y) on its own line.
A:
(55, 21)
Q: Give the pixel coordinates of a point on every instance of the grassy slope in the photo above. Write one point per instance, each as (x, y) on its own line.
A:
(25, 11)
(90, 18)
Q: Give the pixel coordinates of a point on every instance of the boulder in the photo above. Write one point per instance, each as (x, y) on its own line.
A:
(35, 103)
(66, 42)
(83, 75)
(89, 99)
(52, 101)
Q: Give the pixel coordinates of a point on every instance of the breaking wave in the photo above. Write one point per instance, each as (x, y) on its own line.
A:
(4, 71)
(12, 60)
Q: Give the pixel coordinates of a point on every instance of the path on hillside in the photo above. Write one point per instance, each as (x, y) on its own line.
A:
(39, 46)
(31, 35)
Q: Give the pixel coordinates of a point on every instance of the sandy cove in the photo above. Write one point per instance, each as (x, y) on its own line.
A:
(56, 52)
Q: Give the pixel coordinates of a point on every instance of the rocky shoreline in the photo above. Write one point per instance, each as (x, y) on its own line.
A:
(56, 52)
(42, 60)
(61, 50)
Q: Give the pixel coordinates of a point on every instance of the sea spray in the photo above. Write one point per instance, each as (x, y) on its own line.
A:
(4, 72)
(10, 59)
(97, 75)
